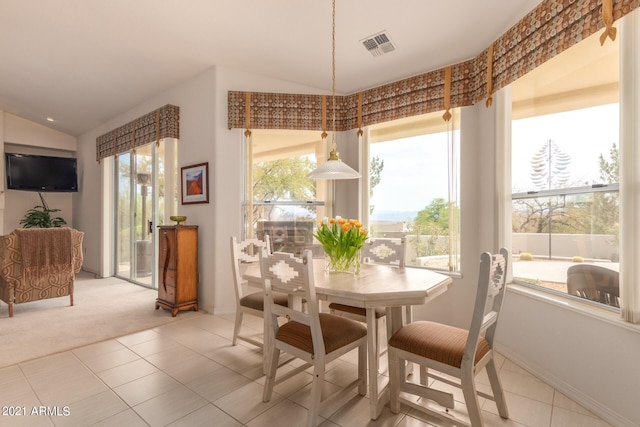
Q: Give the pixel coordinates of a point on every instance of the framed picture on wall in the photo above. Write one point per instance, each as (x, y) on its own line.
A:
(195, 184)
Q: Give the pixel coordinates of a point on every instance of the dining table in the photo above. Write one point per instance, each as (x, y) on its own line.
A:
(374, 286)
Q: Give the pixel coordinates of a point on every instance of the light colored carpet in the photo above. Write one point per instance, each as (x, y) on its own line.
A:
(103, 309)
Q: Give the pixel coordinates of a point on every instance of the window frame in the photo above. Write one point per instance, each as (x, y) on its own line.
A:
(248, 202)
(566, 191)
(452, 127)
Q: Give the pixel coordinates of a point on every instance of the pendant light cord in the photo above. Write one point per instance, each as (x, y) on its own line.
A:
(333, 76)
(333, 168)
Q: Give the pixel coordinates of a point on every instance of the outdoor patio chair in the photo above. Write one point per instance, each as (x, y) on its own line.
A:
(452, 351)
(594, 283)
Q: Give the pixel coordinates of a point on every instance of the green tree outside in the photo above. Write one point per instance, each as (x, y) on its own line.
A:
(430, 224)
(281, 180)
(376, 165)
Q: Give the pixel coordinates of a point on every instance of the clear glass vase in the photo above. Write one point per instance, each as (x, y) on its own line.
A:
(342, 264)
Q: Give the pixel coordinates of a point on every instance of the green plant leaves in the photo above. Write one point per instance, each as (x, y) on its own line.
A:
(40, 217)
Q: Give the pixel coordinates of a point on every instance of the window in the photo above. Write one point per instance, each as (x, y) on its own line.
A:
(279, 199)
(565, 141)
(412, 189)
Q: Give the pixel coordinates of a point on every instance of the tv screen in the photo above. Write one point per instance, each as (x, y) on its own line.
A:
(41, 173)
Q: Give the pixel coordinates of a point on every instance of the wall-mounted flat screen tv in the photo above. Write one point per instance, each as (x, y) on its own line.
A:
(31, 172)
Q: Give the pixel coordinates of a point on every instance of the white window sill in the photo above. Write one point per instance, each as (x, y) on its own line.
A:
(587, 309)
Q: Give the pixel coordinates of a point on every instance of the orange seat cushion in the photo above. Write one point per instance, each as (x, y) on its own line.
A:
(336, 333)
(435, 341)
(256, 300)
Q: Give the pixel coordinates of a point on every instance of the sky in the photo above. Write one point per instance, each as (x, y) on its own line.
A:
(414, 173)
(415, 170)
(582, 134)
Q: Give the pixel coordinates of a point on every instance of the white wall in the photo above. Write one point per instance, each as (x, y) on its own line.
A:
(591, 356)
(197, 108)
(204, 137)
(25, 132)
(26, 137)
(534, 332)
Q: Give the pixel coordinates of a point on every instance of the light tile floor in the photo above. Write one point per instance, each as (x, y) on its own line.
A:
(187, 374)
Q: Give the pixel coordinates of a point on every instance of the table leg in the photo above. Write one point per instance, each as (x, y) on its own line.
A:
(378, 397)
(372, 338)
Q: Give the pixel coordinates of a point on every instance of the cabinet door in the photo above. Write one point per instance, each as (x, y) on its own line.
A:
(187, 264)
(167, 255)
(167, 265)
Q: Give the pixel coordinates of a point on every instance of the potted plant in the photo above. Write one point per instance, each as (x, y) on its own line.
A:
(40, 217)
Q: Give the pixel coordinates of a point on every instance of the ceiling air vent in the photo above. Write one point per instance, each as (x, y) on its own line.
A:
(378, 44)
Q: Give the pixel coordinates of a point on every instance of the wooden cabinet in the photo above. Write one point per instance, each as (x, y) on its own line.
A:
(178, 268)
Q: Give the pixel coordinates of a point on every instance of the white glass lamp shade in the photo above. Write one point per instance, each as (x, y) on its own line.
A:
(333, 168)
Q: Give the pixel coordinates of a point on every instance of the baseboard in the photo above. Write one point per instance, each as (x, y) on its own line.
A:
(88, 271)
(568, 390)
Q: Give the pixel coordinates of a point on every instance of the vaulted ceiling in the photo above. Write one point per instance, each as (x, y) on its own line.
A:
(83, 62)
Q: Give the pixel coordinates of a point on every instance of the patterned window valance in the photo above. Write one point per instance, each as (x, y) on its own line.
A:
(154, 126)
(548, 30)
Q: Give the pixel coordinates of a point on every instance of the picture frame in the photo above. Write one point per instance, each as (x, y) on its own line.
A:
(195, 183)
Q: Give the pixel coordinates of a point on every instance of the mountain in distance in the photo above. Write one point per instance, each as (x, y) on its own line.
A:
(393, 216)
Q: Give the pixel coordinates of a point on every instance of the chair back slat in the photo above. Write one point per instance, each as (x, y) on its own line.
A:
(384, 251)
(248, 250)
(489, 297)
(497, 277)
(498, 272)
(290, 314)
(488, 320)
(243, 253)
(283, 272)
(287, 273)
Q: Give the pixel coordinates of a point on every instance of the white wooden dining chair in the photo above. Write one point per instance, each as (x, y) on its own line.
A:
(382, 251)
(314, 337)
(458, 353)
(242, 254)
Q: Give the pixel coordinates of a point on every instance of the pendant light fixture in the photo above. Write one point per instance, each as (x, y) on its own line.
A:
(333, 168)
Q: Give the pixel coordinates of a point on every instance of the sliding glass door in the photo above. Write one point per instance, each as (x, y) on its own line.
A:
(145, 194)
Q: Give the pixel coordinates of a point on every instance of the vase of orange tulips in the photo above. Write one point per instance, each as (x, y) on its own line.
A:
(342, 240)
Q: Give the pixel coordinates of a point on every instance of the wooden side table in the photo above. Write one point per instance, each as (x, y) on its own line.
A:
(178, 268)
